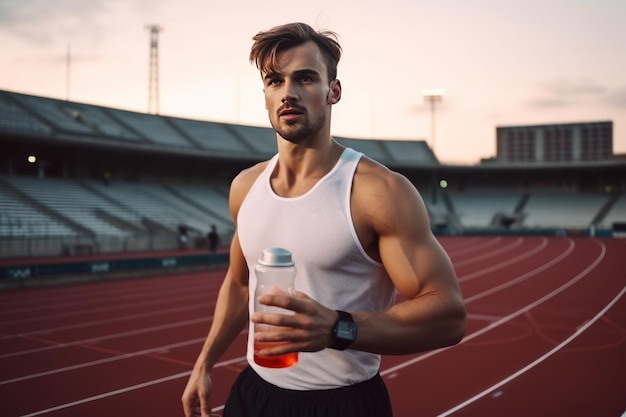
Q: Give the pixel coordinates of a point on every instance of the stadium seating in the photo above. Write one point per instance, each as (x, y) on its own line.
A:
(101, 122)
(61, 207)
(73, 202)
(14, 118)
(616, 214)
(20, 219)
(478, 207)
(212, 137)
(153, 128)
(74, 205)
(562, 209)
(409, 153)
(163, 206)
(260, 141)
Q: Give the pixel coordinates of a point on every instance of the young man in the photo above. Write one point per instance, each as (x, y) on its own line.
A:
(358, 233)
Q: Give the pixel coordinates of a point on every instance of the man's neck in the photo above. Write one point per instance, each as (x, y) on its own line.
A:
(300, 167)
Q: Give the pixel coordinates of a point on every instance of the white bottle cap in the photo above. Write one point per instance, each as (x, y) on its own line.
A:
(276, 257)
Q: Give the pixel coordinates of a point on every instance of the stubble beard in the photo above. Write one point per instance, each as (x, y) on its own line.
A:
(297, 132)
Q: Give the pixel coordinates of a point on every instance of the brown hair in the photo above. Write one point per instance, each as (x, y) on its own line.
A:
(269, 43)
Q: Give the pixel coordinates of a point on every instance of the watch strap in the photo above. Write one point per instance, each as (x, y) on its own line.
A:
(341, 341)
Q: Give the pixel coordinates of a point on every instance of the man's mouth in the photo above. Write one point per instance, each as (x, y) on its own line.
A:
(290, 113)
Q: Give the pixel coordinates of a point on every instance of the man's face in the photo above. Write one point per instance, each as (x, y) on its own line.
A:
(298, 94)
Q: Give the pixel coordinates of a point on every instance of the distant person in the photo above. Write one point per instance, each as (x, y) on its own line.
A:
(183, 239)
(358, 233)
(213, 239)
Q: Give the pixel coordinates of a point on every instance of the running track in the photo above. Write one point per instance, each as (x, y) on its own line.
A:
(546, 337)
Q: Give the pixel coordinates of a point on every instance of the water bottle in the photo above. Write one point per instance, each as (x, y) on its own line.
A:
(275, 273)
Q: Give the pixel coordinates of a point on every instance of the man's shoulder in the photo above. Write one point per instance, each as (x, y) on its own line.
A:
(248, 176)
(371, 174)
(386, 200)
(242, 183)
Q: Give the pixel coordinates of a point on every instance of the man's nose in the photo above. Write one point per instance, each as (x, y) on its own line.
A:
(289, 92)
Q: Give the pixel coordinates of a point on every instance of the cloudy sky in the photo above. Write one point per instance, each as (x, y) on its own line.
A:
(500, 62)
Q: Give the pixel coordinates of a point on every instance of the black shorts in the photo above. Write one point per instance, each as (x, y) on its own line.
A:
(252, 396)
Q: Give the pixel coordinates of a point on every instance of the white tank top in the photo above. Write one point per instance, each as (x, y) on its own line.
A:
(332, 267)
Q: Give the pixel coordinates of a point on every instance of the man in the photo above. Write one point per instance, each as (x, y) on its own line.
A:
(358, 233)
(213, 239)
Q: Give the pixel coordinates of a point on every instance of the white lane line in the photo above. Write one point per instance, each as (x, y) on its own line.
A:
(474, 248)
(150, 313)
(522, 277)
(490, 254)
(106, 309)
(107, 337)
(109, 394)
(127, 389)
(537, 361)
(88, 298)
(506, 318)
(458, 245)
(102, 361)
(390, 370)
(483, 317)
(506, 263)
(110, 359)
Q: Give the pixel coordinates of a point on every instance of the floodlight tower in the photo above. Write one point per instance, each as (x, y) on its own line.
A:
(153, 83)
(432, 96)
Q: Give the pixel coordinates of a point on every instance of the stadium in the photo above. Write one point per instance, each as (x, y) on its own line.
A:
(84, 178)
(92, 193)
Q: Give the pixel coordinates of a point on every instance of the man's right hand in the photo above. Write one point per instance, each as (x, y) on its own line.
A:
(197, 393)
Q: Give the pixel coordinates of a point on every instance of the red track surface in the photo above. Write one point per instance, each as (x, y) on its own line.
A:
(546, 337)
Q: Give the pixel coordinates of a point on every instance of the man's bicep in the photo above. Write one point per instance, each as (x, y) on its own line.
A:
(416, 265)
(413, 257)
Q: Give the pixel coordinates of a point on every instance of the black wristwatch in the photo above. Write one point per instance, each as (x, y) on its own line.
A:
(344, 331)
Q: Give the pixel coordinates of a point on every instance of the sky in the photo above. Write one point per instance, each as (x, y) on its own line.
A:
(500, 62)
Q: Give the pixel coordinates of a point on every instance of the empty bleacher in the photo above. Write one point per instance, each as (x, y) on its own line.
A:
(617, 213)
(260, 141)
(562, 209)
(212, 137)
(99, 120)
(154, 128)
(16, 119)
(212, 198)
(58, 119)
(437, 210)
(18, 218)
(68, 200)
(54, 114)
(60, 207)
(92, 207)
(409, 153)
(71, 201)
(161, 204)
(478, 207)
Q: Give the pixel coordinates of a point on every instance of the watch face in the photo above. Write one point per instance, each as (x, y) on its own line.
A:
(346, 330)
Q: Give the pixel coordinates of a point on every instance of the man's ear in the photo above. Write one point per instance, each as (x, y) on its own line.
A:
(334, 95)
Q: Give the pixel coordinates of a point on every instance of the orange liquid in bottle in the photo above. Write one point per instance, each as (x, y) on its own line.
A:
(280, 361)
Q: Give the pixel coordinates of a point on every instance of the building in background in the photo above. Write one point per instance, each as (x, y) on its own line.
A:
(554, 143)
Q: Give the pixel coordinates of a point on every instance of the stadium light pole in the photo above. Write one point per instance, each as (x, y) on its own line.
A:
(432, 96)
(68, 63)
(153, 82)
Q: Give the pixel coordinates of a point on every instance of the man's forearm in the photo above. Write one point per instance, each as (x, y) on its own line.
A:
(412, 326)
(229, 319)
